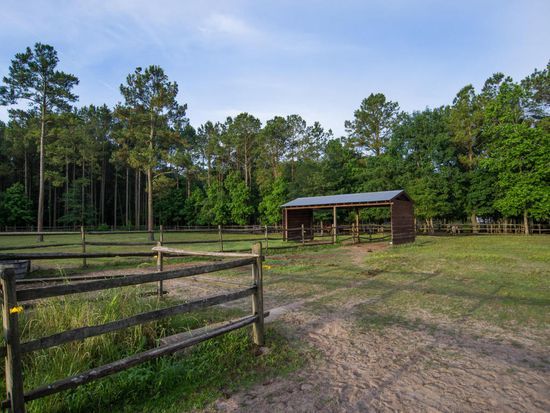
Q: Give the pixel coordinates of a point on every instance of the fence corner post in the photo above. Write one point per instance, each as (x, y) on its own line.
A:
(258, 297)
(10, 321)
(83, 239)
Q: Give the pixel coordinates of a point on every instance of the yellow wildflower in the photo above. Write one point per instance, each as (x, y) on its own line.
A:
(17, 309)
(267, 267)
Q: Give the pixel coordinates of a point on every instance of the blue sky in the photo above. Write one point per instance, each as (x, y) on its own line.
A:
(315, 58)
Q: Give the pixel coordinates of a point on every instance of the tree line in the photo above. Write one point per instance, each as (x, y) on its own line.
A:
(485, 156)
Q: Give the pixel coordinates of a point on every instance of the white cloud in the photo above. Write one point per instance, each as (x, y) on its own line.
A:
(226, 25)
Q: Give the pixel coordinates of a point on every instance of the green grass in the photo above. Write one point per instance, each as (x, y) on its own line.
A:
(169, 384)
(437, 284)
(500, 280)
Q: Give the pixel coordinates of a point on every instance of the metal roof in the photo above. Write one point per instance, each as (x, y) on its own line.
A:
(361, 198)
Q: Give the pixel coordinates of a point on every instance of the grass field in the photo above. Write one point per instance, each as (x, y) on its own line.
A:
(446, 323)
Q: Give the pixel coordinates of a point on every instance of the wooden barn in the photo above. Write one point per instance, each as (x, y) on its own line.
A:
(300, 212)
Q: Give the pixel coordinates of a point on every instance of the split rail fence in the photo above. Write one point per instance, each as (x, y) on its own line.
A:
(14, 298)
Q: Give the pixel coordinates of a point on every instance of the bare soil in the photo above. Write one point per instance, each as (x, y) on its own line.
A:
(456, 367)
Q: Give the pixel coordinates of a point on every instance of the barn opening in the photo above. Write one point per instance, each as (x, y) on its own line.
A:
(298, 213)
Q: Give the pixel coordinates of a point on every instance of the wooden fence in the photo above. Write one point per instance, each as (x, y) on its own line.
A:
(14, 298)
(497, 228)
(262, 234)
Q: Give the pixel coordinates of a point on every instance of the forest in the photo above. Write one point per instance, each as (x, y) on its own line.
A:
(484, 157)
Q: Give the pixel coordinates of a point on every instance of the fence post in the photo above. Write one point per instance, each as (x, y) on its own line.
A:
(83, 239)
(258, 297)
(161, 234)
(220, 236)
(267, 239)
(160, 267)
(334, 234)
(10, 321)
(303, 235)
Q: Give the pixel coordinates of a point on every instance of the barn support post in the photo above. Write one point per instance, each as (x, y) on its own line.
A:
(357, 225)
(334, 226)
(285, 224)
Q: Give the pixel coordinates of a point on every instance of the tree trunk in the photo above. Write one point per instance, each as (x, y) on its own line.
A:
(54, 221)
(102, 190)
(50, 204)
(92, 193)
(208, 172)
(150, 222)
(26, 173)
(246, 168)
(525, 222)
(82, 194)
(115, 201)
(40, 217)
(137, 198)
(473, 219)
(127, 210)
(150, 218)
(66, 209)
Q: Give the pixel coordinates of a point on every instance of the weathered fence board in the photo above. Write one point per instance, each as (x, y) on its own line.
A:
(135, 279)
(134, 360)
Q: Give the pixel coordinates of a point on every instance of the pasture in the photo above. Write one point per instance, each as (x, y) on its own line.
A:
(446, 323)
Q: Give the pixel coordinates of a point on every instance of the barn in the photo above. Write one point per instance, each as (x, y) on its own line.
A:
(299, 212)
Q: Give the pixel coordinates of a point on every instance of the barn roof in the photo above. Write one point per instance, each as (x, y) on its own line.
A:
(346, 199)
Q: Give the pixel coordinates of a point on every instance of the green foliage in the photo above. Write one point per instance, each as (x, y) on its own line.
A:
(192, 209)
(15, 207)
(454, 161)
(374, 121)
(239, 205)
(76, 213)
(169, 200)
(519, 160)
(270, 206)
(33, 78)
(215, 208)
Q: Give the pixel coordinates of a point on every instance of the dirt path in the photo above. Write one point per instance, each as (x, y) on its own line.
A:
(454, 368)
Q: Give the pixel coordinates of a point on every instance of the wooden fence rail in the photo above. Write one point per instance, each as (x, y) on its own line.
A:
(13, 297)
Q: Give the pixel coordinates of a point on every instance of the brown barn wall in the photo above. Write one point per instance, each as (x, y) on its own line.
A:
(295, 219)
(402, 222)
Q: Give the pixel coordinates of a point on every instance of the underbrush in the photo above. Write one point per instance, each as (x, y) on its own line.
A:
(173, 383)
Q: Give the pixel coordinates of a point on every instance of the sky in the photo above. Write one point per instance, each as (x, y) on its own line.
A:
(314, 58)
